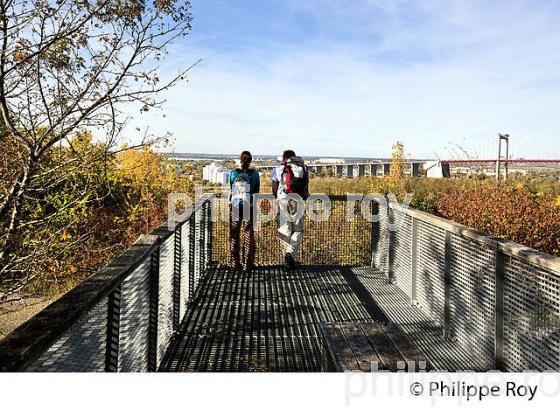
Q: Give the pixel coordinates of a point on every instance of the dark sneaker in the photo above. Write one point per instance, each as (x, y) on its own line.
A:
(289, 261)
(292, 262)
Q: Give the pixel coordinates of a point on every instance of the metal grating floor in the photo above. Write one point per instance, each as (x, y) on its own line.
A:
(268, 320)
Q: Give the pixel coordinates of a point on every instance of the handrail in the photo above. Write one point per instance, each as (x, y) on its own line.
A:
(31, 339)
(496, 298)
(508, 247)
(173, 260)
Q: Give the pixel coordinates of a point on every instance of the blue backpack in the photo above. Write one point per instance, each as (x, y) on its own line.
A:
(241, 189)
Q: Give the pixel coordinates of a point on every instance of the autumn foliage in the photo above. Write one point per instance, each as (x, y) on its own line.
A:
(508, 211)
(524, 210)
(94, 212)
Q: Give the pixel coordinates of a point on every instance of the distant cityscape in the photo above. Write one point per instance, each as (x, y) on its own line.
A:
(217, 167)
(189, 156)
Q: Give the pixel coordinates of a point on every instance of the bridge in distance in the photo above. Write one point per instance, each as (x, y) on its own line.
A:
(357, 167)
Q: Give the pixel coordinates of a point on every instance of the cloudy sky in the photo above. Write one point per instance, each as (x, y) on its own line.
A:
(348, 78)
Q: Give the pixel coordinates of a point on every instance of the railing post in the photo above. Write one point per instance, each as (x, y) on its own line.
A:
(113, 326)
(447, 286)
(192, 254)
(375, 234)
(414, 260)
(391, 250)
(499, 337)
(154, 312)
(200, 242)
(209, 233)
(177, 265)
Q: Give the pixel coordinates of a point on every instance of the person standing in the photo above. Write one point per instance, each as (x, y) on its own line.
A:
(244, 183)
(292, 177)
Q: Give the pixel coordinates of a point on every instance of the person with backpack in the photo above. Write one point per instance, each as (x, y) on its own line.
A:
(244, 183)
(292, 177)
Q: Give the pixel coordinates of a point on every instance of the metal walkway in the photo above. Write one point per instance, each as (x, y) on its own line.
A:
(268, 320)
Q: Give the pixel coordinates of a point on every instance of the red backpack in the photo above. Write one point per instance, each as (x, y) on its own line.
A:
(294, 175)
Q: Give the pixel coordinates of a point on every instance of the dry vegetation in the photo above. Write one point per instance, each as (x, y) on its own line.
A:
(523, 209)
(69, 68)
(125, 198)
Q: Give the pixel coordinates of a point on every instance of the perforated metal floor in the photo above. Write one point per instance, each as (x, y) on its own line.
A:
(268, 320)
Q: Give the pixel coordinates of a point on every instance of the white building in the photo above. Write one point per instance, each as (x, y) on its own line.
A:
(435, 169)
(222, 177)
(330, 161)
(216, 174)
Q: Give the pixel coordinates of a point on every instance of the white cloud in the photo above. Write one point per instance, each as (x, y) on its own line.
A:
(448, 73)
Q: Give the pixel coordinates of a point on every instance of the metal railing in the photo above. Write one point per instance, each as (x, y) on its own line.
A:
(334, 241)
(498, 300)
(123, 317)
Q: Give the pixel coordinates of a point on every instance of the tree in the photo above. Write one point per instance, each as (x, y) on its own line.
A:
(148, 177)
(68, 66)
(398, 160)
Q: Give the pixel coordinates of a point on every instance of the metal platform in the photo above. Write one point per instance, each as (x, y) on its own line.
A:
(268, 320)
(162, 304)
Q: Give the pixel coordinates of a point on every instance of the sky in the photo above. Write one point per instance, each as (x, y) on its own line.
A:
(349, 78)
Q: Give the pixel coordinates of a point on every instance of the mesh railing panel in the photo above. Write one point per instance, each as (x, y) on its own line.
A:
(431, 270)
(135, 320)
(335, 241)
(185, 268)
(381, 253)
(208, 239)
(468, 310)
(473, 297)
(81, 348)
(165, 308)
(199, 244)
(145, 294)
(531, 317)
(402, 265)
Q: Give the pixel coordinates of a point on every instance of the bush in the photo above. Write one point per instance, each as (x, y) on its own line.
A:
(507, 211)
(523, 209)
(93, 214)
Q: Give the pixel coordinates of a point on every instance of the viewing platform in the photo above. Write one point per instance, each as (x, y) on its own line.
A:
(269, 320)
(465, 300)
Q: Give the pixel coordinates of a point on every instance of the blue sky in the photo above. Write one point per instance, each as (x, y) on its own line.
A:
(348, 78)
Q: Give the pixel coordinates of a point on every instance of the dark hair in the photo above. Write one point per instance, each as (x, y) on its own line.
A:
(246, 158)
(288, 154)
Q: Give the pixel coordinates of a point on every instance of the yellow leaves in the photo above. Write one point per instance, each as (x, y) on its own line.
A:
(127, 9)
(19, 56)
(21, 51)
(398, 160)
(145, 179)
(65, 235)
(519, 185)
